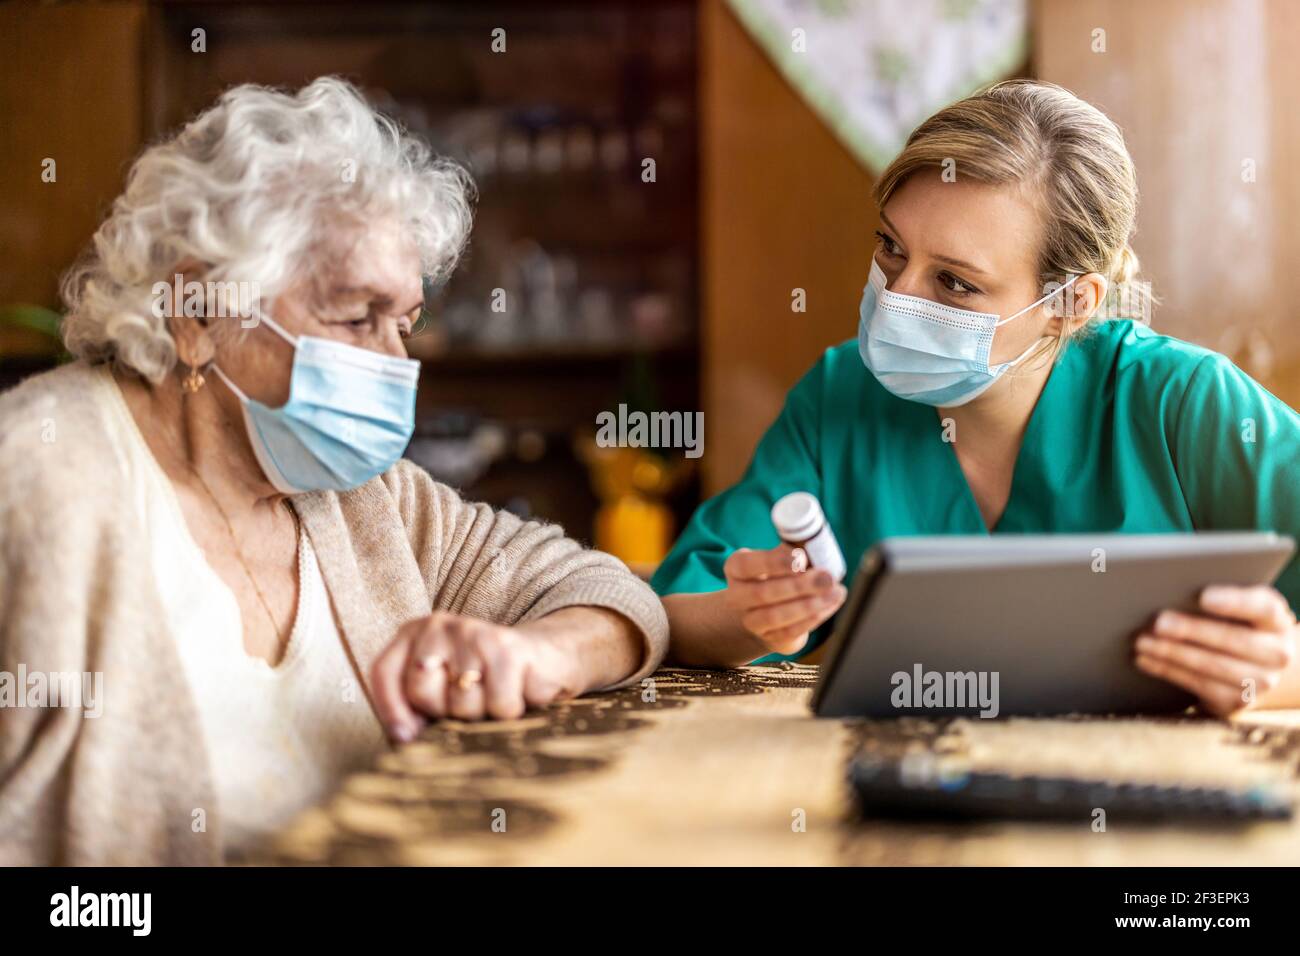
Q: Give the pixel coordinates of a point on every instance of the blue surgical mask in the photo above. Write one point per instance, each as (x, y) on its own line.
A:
(924, 351)
(350, 415)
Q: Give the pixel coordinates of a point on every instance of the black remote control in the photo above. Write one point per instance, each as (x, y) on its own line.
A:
(916, 787)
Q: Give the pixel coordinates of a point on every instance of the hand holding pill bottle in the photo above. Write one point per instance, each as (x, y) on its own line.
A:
(800, 522)
(782, 594)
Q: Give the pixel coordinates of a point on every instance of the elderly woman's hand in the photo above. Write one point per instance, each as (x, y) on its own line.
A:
(446, 665)
(1228, 659)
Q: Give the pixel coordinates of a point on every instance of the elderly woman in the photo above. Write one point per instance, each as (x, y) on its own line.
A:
(211, 512)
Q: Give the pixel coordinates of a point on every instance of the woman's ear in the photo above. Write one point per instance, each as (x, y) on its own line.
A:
(1077, 303)
(1089, 294)
(191, 333)
(194, 346)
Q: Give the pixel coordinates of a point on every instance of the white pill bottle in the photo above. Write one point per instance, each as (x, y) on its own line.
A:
(800, 522)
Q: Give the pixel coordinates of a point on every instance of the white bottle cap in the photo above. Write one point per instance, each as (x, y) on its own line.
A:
(797, 516)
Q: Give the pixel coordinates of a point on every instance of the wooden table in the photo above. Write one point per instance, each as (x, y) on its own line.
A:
(724, 768)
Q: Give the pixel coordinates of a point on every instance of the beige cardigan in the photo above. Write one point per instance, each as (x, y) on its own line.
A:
(125, 788)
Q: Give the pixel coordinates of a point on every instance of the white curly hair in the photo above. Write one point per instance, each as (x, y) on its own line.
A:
(247, 189)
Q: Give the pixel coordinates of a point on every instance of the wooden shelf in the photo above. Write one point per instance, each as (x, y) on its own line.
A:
(562, 359)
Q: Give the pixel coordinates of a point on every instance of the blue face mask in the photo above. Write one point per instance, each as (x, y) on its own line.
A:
(350, 415)
(927, 352)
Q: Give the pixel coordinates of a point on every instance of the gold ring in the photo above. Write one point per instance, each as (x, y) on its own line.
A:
(467, 679)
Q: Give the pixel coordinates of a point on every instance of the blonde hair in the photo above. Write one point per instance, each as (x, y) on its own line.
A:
(1067, 152)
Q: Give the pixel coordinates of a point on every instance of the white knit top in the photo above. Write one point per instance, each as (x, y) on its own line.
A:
(279, 738)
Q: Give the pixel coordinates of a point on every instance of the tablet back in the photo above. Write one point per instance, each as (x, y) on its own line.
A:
(1022, 624)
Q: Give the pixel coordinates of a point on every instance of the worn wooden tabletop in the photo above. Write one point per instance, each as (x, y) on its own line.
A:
(723, 768)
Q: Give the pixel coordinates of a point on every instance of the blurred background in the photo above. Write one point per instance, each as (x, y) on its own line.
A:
(716, 285)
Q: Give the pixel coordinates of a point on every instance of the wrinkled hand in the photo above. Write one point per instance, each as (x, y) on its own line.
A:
(777, 603)
(446, 665)
(1227, 659)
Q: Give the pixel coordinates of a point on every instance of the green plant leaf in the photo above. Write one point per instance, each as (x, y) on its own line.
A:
(32, 317)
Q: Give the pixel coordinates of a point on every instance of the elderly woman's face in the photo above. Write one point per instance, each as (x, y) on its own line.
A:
(367, 292)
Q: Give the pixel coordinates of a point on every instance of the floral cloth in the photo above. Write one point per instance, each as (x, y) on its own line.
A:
(874, 69)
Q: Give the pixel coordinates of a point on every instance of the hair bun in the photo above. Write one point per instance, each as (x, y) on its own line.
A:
(1126, 266)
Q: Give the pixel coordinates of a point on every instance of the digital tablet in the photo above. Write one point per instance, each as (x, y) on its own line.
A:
(1022, 624)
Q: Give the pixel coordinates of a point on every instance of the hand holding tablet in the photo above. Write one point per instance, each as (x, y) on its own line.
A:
(1054, 618)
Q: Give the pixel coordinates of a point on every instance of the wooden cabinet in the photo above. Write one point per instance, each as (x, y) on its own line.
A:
(784, 206)
(70, 82)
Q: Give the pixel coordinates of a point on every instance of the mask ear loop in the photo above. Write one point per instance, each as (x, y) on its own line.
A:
(274, 327)
(1057, 291)
(229, 384)
(277, 329)
(1026, 353)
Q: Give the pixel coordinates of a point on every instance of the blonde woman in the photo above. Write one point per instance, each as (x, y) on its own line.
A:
(988, 392)
(209, 514)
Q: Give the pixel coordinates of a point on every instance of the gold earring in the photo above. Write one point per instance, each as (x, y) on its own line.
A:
(192, 382)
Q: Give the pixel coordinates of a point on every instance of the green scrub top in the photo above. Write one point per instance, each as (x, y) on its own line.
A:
(1134, 432)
